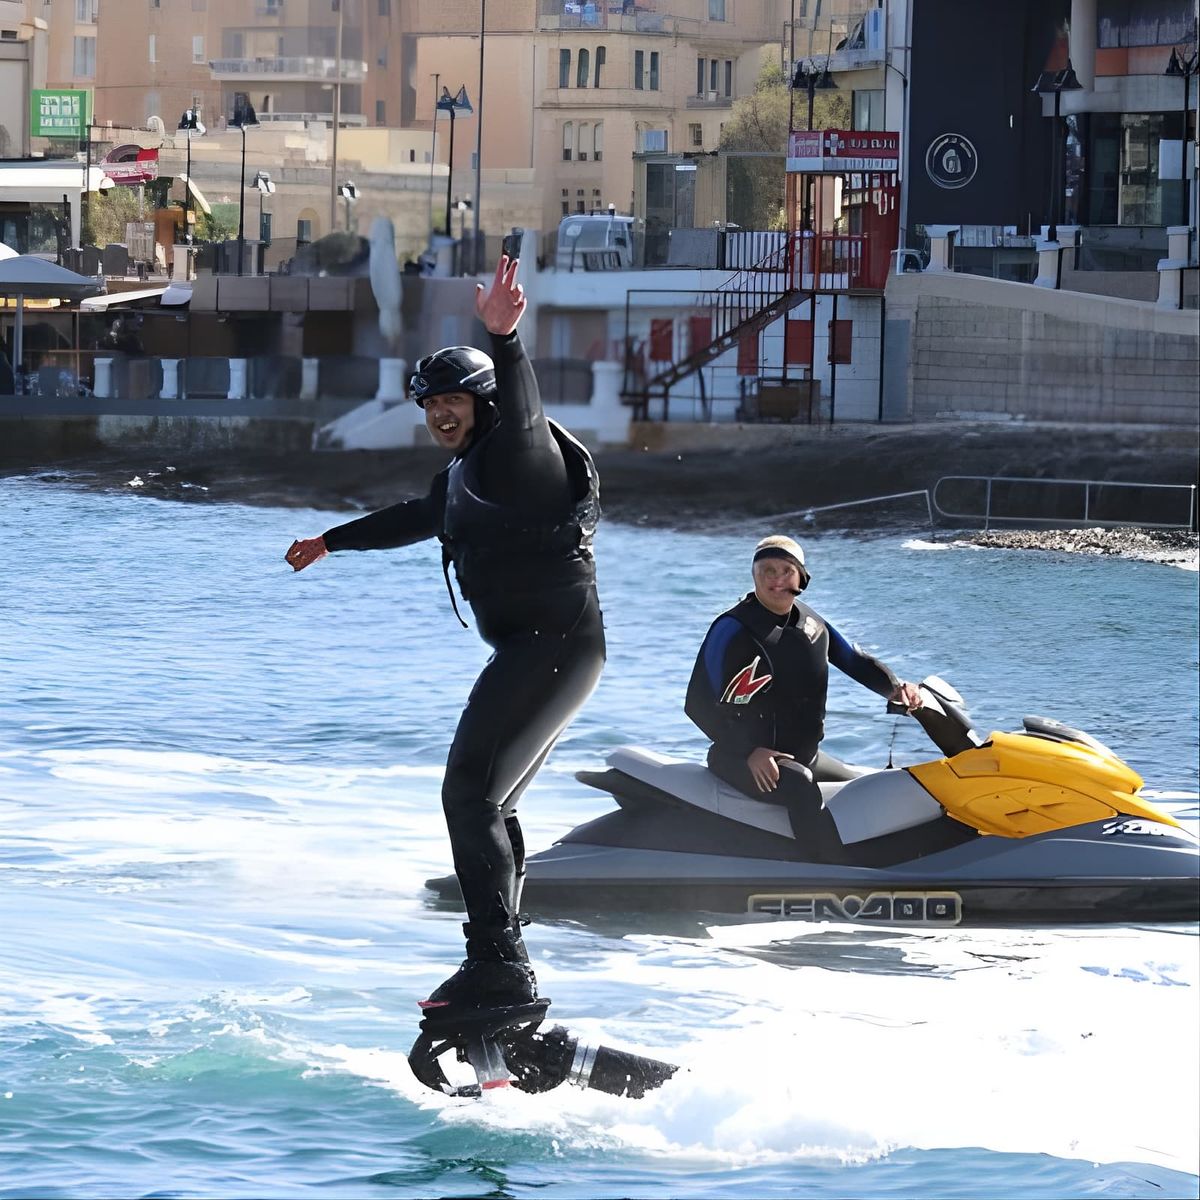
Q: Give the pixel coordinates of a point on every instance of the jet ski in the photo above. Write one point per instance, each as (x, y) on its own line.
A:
(1044, 825)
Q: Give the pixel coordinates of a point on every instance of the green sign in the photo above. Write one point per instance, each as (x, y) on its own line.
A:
(60, 114)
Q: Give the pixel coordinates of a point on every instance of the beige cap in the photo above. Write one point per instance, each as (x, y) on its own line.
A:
(778, 545)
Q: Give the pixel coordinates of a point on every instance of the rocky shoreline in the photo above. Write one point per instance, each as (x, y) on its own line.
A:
(1171, 547)
(786, 486)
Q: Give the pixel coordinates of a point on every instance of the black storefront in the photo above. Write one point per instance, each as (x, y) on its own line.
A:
(981, 153)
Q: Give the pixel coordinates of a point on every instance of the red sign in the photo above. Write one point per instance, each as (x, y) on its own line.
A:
(835, 151)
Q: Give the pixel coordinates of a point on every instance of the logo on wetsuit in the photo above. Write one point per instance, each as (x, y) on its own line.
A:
(744, 686)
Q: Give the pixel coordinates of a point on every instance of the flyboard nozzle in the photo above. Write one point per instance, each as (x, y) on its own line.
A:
(541, 1061)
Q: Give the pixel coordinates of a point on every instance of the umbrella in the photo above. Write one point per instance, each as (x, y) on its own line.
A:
(27, 275)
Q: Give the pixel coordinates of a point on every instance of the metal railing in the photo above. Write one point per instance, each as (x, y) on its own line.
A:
(1000, 488)
(807, 514)
(303, 67)
(704, 323)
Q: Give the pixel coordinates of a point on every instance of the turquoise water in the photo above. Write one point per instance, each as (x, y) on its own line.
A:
(219, 801)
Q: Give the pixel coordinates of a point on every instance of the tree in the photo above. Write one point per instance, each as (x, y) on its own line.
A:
(754, 141)
(108, 212)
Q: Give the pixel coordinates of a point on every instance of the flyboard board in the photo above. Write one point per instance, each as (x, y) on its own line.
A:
(506, 1046)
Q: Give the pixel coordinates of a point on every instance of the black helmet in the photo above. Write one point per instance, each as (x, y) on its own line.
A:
(453, 369)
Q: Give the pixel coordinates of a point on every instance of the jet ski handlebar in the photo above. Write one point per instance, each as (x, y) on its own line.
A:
(943, 716)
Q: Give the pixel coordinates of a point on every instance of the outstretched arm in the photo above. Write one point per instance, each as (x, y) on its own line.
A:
(523, 465)
(399, 525)
(869, 671)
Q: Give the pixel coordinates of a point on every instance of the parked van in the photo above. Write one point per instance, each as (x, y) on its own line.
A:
(600, 241)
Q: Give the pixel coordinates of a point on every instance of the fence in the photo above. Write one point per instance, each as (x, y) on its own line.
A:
(1078, 502)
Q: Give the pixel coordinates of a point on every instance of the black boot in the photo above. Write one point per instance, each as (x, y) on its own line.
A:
(495, 974)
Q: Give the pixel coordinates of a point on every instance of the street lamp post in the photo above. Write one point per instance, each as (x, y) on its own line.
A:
(453, 105)
(1181, 67)
(1056, 82)
(349, 193)
(266, 187)
(433, 144)
(189, 123)
(812, 79)
(479, 136)
(339, 7)
(244, 117)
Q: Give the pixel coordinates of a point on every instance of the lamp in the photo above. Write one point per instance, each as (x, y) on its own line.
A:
(244, 117)
(349, 193)
(812, 78)
(1179, 67)
(266, 187)
(189, 123)
(452, 105)
(1056, 82)
(462, 207)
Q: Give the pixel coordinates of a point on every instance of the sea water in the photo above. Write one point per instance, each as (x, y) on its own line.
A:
(219, 803)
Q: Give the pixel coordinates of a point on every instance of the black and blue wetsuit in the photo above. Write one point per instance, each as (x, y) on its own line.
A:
(761, 680)
(515, 513)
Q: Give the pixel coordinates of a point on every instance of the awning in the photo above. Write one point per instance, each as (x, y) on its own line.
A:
(33, 277)
(112, 299)
(197, 194)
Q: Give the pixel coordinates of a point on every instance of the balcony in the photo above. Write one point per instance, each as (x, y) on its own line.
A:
(710, 100)
(353, 120)
(612, 16)
(286, 70)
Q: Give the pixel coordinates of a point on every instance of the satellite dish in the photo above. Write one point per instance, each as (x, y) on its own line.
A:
(155, 125)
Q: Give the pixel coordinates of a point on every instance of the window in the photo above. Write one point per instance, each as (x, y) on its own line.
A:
(841, 341)
(716, 10)
(564, 68)
(598, 141)
(601, 55)
(699, 77)
(153, 48)
(639, 66)
(581, 71)
(714, 75)
(566, 202)
(85, 57)
(380, 112)
(85, 12)
(868, 110)
(198, 48)
(585, 141)
(385, 8)
(729, 77)
(568, 141)
(696, 135)
(654, 70)
(381, 58)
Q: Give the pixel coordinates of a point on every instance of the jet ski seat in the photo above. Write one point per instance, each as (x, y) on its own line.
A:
(872, 805)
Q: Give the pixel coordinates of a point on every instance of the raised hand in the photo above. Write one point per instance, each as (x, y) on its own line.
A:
(500, 307)
(304, 552)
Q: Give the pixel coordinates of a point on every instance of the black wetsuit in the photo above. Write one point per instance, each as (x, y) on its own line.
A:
(515, 512)
(761, 680)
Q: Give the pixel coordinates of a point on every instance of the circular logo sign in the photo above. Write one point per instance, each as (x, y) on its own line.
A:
(951, 161)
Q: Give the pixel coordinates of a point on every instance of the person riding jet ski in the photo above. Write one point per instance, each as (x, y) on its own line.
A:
(515, 512)
(758, 691)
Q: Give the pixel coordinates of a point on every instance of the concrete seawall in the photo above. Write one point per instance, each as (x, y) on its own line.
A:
(985, 348)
